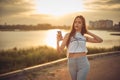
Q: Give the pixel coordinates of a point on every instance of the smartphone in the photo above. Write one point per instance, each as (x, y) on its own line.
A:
(60, 34)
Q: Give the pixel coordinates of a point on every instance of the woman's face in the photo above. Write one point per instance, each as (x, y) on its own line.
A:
(78, 24)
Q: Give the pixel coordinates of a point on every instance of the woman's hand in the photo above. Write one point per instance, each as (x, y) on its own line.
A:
(59, 37)
(61, 47)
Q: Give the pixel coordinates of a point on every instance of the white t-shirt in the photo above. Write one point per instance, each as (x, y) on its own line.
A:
(77, 44)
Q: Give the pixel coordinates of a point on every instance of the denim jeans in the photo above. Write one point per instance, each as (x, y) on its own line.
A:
(78, 67)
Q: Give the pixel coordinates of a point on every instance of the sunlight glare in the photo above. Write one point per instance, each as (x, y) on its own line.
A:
(58, 7)
(51, 37)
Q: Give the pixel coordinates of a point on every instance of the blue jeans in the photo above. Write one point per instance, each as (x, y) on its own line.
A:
(78, 67)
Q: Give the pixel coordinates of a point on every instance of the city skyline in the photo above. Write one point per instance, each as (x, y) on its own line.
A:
(57, 12)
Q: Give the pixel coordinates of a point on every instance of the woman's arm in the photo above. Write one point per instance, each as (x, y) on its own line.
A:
(94, 39)
(62, 46)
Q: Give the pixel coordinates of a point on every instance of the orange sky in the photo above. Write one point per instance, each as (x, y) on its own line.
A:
(57, 12)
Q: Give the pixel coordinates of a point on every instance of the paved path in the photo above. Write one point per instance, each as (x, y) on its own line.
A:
(103, 68)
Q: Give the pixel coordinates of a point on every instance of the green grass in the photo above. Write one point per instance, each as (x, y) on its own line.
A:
(14, 59)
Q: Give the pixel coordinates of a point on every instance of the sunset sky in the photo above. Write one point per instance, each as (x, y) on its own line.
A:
(57, 12)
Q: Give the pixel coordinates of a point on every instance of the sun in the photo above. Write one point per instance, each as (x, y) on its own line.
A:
(58, 7)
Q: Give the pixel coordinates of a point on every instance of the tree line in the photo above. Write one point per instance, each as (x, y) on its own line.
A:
(32, 27)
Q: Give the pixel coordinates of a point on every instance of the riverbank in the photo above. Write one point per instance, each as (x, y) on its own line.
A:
(117, 34)
(15, 59)
(110, 30)
(100, 69)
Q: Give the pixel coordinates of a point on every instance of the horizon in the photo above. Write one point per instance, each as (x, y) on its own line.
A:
(5, 23)
(57, 12)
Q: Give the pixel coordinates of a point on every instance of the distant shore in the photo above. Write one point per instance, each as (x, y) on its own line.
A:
(117, 34)
(111, 30)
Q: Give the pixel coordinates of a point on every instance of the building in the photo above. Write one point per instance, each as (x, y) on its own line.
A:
(117, 26)
(101, 24)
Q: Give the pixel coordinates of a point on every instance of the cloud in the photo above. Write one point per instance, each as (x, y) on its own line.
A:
(109, 5)
(17, 12)
(11, 7)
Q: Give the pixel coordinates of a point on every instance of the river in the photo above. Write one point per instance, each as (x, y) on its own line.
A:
(27, 39)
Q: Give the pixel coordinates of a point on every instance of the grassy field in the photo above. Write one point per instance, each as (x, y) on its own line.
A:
(14, 59)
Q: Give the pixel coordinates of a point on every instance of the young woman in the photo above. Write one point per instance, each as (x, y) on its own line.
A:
(75, 41)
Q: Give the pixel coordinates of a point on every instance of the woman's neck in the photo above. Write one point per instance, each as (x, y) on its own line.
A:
(78, 31)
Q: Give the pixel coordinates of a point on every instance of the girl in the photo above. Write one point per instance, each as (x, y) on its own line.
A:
(75, 41)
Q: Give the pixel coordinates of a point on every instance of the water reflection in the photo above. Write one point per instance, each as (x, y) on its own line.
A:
(26, 39)
(51, 38)
(108, 40)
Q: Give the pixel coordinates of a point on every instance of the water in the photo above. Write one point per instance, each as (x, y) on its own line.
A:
(26, 39)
